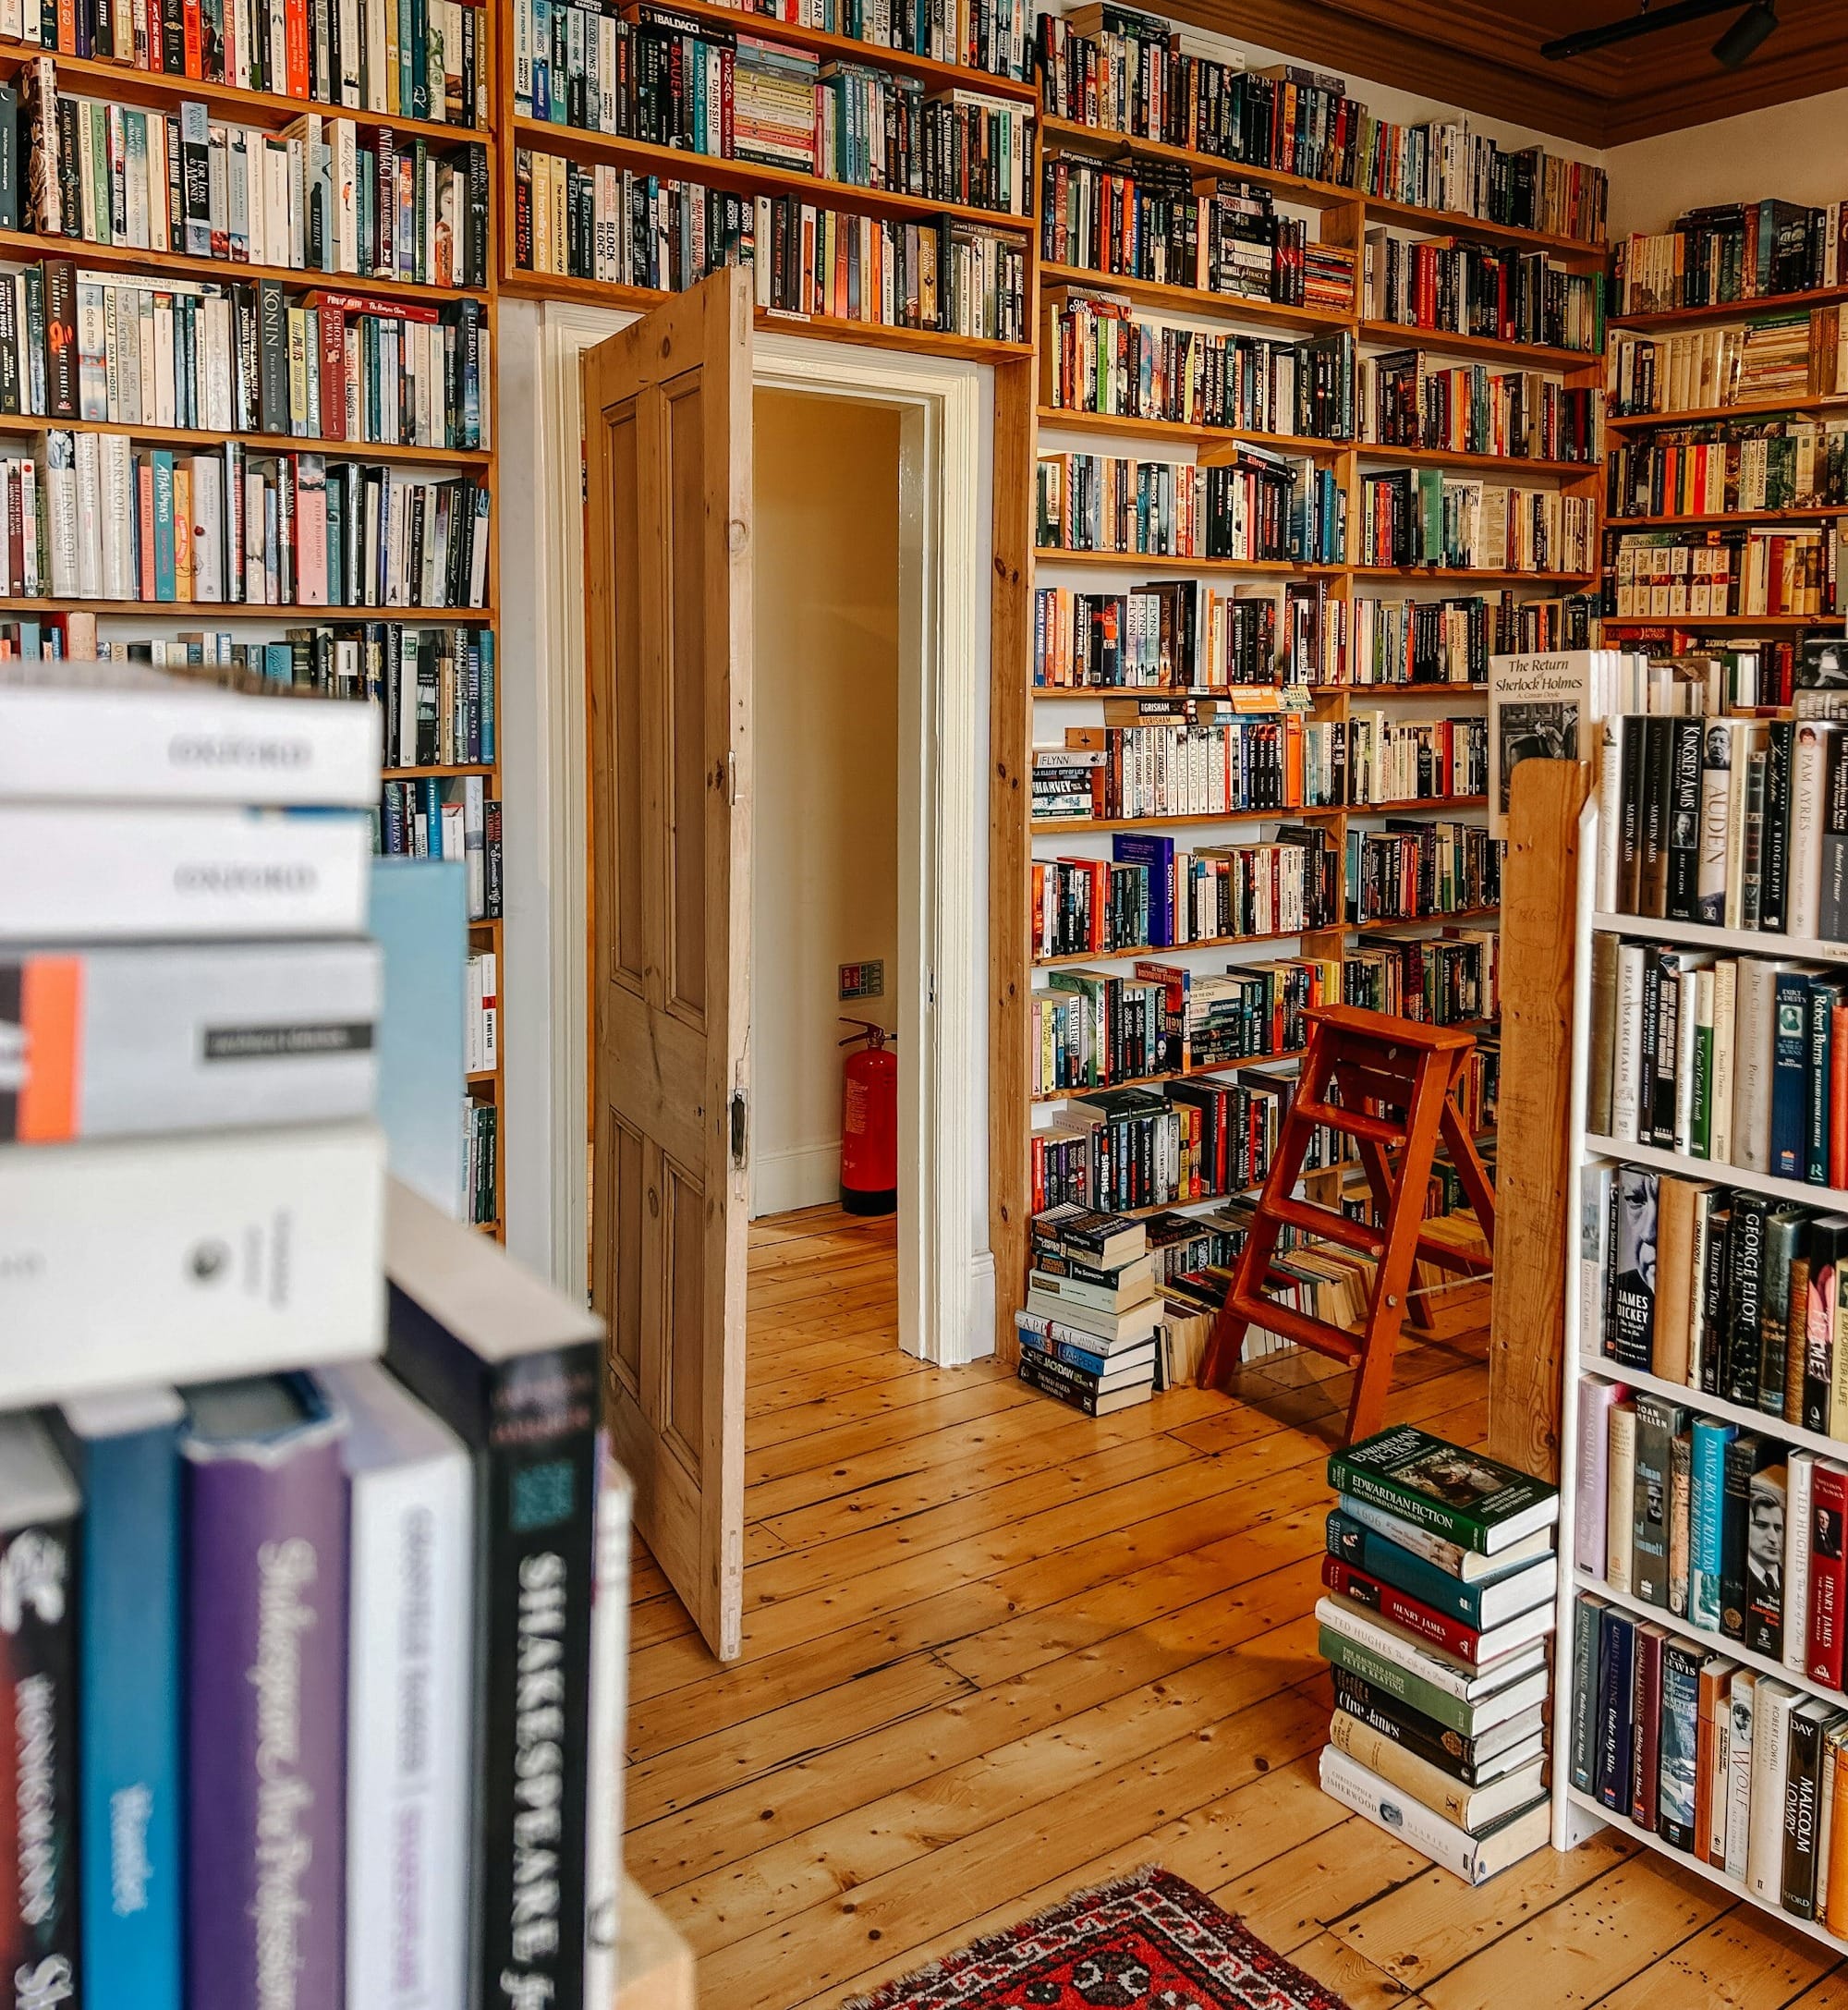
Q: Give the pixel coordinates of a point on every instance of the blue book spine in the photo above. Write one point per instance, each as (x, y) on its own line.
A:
(1412, 1575)
(1157, 855)
(129, 1727)
(489, 694)
(1707, 1507)
(165, 576)
(1790, 1074)
(1818, 1062)
(1616, 1649)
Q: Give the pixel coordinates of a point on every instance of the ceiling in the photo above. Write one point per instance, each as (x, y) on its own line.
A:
(1487, 58)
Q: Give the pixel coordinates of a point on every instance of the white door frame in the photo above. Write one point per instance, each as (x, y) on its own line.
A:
(946, 1270)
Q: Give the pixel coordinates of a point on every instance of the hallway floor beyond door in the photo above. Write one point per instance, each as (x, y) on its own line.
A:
(995, 1652)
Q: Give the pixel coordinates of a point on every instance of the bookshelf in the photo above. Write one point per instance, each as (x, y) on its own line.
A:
(1334, 215)
(226, 100)
(1577, 1813)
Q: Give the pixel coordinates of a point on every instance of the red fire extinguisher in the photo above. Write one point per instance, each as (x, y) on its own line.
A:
(869, 1122)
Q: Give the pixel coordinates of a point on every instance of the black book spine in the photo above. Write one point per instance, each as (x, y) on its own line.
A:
(1828, 1248)
(1747, 1269)
(1616, 1667)
(273, 356)
(1629, 845)
(1802, 1813)
(1684, 821)
(61, 337)
(531, 1429)
(1714, 1297)
(1774, 857)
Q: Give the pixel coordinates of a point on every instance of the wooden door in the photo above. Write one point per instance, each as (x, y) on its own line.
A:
(667, 416)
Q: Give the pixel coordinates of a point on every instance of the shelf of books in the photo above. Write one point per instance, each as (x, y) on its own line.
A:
(248, 324)
(877, 173)
(1291, 498)
(1700, 1678)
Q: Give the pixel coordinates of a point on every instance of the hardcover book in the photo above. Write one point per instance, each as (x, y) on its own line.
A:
(266, 1655)
(1465, 1496)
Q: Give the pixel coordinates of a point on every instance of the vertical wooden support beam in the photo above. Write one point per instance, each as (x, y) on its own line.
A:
(1010, 845)
(1527, 1337)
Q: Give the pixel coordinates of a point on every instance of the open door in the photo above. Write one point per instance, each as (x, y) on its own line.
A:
(667, 420)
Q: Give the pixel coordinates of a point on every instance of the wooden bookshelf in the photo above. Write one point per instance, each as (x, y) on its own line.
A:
(1712, 311)
(1346, 217)
(155, 90)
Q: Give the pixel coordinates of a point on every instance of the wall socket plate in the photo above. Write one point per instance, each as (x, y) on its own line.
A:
(863, 980)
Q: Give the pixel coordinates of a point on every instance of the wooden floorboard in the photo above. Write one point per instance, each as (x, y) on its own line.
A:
(995, 1652)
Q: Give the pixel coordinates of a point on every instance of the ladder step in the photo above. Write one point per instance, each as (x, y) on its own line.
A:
(1292, 1324)
(1447, 1256)
(1380, 1130)
(1327, 1223)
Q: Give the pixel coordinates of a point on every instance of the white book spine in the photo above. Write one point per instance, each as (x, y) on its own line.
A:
(1594, 1399)
(1807, 773)
(1430, 1664)
(1726, 1031)
(198, 746)
(1403, 1817)
(1619, 1488)
(1627, 1064)
(207, 530)
(118, 521)
(1610, 813)
(1752, 1061)
(105, 873)
(1686, 1033)
(1799, 1487)
(1740, 1712)
(1770, 1770)
(236, 1253)
(609, 1709)
(88, 517)
(407, 1735)
(61, 498)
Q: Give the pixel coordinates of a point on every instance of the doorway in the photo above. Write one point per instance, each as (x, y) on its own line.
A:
(836, 783)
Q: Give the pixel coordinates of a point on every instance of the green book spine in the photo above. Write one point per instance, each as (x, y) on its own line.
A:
(1702, 1129)
(1451, 1711)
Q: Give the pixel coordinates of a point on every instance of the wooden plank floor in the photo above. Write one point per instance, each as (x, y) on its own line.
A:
(995, 1652)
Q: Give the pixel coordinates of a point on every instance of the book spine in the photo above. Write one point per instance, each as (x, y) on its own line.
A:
(1391, 1678)
(131, 1728)
(266, 1648)
(1391, 1603)
(40, 1951)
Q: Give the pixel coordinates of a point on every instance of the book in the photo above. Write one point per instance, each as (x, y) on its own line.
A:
(515, 1371)
(1742, 1701)
(108, 873)
(1467, 1643)
(1433, 1665)
(1645, 1717)
(128, 732)
(1770, 1770)
(266, 1637)
(1710, 1439)
(162, 1037)
(1094, 1395)
(411, 1551)
(1474, 1759)
(1765, 1507)
(1468, 1498)
(1473, 1808)
(1631, 1323)
(1475, 1605)
(1657, 1424)
(40, 1944)
(1799, 1529)
(1596, 1399)
(1677, 1816)
(1475, 1858)
(228, 1254)
(1469, 1567)
(1538, 705)
(609, 1715)
(1827, 1573)
(1809, 1724)
(1620, 1525)
(124, 1452)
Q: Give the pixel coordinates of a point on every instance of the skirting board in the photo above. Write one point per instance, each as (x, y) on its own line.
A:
(804, 1176)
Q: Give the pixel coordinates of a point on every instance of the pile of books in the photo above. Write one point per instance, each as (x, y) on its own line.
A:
(1087, 1333)
(1442, 1580)
(250, 1554)
(1746, 1772)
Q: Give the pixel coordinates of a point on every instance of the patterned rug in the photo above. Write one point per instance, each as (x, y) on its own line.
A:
(1149, 1942)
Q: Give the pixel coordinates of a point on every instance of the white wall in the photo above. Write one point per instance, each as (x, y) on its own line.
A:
(824, 769)
(1791, 151)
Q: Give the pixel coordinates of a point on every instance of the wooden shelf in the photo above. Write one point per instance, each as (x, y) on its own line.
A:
(1529, 355)
(482, 1077)
(1796, 1190)
(262, 442)
(1769, 303)
(1059, 555)
(1067, 136)
(1381, 925)
(1798, 405)
(852, 49)
(1745, 1415)
(1439, 573)
(532, 286)
(437, 771)
(1708, 519)
(1142, 950)
(96, 77)
(1168, 1075)
(1705, 934)
(1444, 456)
(1046, 826)
(175, 610)
(1194, 300)
(1372, 691)
(747, 178)
(1726, 624)
(1124, 425)
(26, 246)
(1435, 804)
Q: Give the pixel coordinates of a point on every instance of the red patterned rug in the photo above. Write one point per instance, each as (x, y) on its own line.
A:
(1149, 1942)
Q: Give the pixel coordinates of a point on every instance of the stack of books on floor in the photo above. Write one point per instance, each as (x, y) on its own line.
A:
(1088, 1330)
(1442, 1579)
(279, 1607)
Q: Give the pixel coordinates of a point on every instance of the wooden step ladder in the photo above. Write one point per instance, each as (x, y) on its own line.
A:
(1393, 1079)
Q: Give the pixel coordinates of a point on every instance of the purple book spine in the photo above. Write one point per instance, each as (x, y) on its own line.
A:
(266, 1637)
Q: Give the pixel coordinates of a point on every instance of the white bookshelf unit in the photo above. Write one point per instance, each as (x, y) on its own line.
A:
(1576, 1814)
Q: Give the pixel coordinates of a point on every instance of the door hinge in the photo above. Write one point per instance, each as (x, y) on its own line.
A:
(737, 1126)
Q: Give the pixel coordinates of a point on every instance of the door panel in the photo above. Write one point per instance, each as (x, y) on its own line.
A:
(667, 586)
